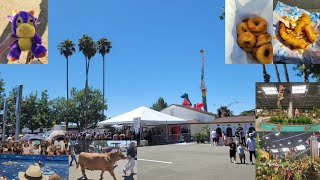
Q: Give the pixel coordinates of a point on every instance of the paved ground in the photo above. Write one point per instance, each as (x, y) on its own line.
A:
(190, 162)
(40, 8)
(75, 173)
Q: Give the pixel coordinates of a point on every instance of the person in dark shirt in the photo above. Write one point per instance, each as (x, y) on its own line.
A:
(233, 149)
(132, 155)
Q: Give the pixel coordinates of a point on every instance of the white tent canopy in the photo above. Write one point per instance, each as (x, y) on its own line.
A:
(146, 115)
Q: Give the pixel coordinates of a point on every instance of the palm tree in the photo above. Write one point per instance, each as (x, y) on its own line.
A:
(277, 72)
(88, 48)
(266, 76)
(303, 68)
(286, 72)
(103, 47)
(66, 48)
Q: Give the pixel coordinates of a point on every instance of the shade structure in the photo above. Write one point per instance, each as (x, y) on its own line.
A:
(57, 135)
(147, 117)
(28, 137)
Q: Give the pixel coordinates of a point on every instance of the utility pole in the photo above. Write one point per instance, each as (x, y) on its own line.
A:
(18, 111)
(202, 84)
(5, 109)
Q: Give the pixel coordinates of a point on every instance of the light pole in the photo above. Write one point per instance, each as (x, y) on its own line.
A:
(4, 114)
(18, 111)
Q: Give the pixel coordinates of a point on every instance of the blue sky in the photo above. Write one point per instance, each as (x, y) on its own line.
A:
(155, 53)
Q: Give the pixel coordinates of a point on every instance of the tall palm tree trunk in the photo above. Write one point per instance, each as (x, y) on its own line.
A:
(103, 86)
(277, 72)
(305, 73)
(286, 72)
(67, 121)
(266, 76)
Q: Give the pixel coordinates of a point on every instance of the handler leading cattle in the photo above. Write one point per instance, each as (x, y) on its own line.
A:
(95, 161)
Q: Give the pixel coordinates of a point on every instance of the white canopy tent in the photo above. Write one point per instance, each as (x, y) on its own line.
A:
(146, 115)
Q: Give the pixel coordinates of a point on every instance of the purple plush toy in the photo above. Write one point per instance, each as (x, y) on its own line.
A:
(24, 28)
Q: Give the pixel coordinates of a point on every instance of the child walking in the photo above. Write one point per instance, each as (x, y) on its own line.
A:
(242, 156)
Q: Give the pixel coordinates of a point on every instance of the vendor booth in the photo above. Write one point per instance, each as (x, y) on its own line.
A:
(152, 127)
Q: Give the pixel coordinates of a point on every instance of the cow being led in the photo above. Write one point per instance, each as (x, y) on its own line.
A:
(103, 162)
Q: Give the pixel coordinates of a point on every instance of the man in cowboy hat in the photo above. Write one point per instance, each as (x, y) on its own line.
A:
(33, 172)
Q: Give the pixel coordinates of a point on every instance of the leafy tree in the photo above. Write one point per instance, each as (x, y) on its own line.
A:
(308, 70)
(29, 112)
(2, 93)
(44, 111)
(224, 111)
(159, 105)
(247, 113)
(59, 109)
(11, 116)
(67, 48)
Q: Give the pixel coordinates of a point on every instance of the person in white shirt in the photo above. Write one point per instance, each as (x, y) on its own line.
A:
(242, 156)
(213, 136)
(36, 149)
(251, 146)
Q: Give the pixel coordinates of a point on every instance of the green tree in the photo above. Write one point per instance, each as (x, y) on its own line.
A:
(95, 106)
(59, 109)
(29, 113)
(66, 48)
(2, 93)
(11, 116)
(224, 111)
(159, 105)
(103, 47)
(88, 48)
(307, 71)
(44, 110)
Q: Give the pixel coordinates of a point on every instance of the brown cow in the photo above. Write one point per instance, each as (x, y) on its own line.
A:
(95, 161)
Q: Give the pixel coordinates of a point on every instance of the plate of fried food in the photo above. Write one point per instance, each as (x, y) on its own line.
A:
(248, 32)
(298, 40)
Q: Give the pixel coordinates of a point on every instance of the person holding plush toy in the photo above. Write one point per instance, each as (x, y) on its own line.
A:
(24, 29)
(10, 39)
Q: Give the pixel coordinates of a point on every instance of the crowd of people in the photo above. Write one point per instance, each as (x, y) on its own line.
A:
(34, 147)
(240, 147)
(93, 135)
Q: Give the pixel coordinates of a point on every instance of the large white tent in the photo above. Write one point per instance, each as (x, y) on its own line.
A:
(146, 115)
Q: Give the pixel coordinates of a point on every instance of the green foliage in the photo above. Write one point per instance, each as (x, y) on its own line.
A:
(203, 135)
(224, 111)
(103, 46)
(308, 70)
(66, 48)
(291, 120)
(159, 105)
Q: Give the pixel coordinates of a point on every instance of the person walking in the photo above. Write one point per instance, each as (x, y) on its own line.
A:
(73, 156)
(242, 156)
(251, 146)
(131, 153)
(213, 136)
(232, 151)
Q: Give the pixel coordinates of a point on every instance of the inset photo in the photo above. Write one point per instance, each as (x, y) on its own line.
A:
(296, 30)
(24, 32)
(288, 155)
(102, 159)
(288, 106)
(248, 32)
(37, 155)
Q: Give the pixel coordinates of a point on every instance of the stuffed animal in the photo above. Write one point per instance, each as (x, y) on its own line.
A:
(24, 28)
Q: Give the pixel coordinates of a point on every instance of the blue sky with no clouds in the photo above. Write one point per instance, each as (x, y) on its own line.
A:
(155, 53)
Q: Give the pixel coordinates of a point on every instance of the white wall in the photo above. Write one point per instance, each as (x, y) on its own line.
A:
(233, 126)
(187, 114)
